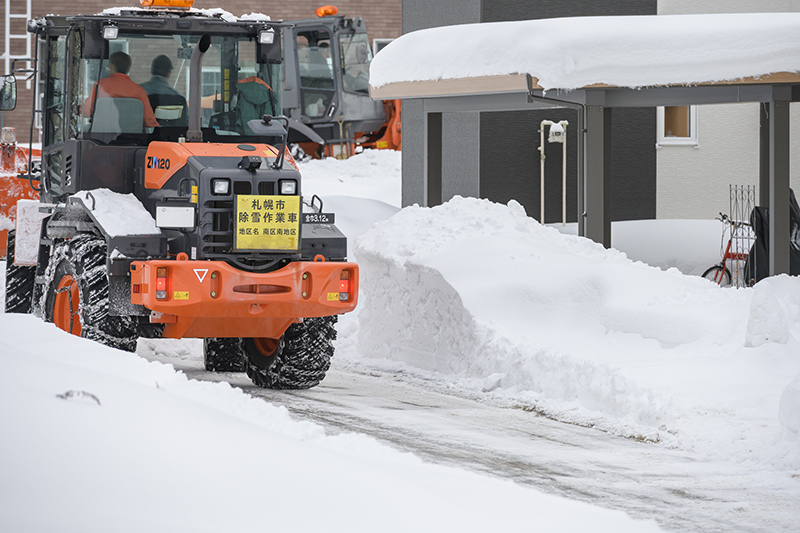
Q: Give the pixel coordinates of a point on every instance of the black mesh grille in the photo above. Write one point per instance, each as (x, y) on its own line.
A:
(266, 187)
(242, 187)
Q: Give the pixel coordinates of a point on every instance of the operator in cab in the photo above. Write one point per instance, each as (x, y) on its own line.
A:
(120, 85)
(169, 105)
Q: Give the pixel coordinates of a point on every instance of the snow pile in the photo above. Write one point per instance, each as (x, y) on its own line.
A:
(255, 17)
(767, 321)
(372, 182)
(789, 414)
(568, 53)
(106, 441)
(481, 295)
(118, 214)
(471, 294)
(215, 12)
(373, 174)
(665, 243)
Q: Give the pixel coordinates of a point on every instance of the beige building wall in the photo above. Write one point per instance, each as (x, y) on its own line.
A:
(694, 181)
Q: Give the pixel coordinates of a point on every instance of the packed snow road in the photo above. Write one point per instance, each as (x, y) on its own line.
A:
(444, 425)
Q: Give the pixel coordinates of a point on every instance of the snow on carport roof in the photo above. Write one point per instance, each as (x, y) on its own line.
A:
(572, 53)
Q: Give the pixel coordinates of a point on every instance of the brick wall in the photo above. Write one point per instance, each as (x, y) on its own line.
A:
(382, 18)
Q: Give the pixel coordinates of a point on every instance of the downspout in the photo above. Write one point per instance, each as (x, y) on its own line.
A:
(564, 176)
(195, 134)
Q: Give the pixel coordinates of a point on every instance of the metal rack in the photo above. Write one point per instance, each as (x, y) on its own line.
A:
(742, 202)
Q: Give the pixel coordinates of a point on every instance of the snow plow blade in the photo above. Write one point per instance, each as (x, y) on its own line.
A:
(213, 299)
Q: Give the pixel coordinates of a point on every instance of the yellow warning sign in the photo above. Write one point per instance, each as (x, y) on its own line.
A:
(333, 296)
(267, 222)
(181, 295)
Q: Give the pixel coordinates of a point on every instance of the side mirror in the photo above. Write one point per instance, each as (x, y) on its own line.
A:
(8, 93)
(270, 126)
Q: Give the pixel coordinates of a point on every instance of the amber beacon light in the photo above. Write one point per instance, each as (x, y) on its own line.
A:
(326, 11)
(174, 4)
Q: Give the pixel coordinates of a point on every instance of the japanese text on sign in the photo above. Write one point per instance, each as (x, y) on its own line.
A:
(267, 222)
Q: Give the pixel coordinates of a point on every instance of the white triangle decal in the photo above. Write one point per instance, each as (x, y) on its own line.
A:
(200, 273)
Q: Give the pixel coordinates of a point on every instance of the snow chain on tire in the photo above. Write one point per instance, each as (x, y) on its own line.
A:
(301, 360)
(84, 258)
(223, 354)
(19, 281)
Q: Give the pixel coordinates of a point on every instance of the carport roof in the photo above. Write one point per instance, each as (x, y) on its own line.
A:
(596, 64)
(565, 54)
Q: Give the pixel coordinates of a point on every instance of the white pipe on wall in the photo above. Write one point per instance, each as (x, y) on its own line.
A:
(541, 167)
(558, 134)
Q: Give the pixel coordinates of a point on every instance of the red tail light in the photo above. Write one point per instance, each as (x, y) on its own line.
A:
(161, 283)
(344, 286)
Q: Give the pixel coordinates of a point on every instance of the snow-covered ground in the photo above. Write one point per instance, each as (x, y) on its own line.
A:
(472, 295)
(481, 295)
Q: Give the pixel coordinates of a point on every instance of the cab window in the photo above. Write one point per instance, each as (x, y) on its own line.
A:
(356, 57)
(315, 66)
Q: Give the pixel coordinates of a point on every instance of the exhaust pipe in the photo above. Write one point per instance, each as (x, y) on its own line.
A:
(194, 134)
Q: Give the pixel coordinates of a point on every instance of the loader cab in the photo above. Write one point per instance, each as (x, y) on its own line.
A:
(327, 78)
(97, 115)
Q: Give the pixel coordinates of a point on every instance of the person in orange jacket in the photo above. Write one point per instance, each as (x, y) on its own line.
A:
(120, 85)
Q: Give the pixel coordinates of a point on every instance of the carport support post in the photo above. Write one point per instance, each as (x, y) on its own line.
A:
(433, 160)
(598, 169)
(763, 155)
(779, 180)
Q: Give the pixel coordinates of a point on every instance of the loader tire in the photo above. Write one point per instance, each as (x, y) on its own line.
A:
(77, 294)
(298, 360)
(223, 354)
(19, 281)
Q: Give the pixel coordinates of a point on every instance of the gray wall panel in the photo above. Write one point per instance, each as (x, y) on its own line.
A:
(421, 14)
(510, 163)
(460, 169)
(633, 168)
(461, 172)
(413, 153)
(502, 10)
(508, 138)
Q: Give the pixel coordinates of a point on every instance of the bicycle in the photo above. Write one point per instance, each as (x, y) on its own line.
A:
(720, 273)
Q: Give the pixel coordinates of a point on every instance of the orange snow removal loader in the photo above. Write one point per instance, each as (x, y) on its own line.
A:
(163, 217)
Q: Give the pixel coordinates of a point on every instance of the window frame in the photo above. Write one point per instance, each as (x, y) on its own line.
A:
(663, 140)
(359, 84)
(378, 44)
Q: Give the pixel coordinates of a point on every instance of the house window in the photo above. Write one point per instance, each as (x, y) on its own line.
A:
(379, 44)
(677, 125)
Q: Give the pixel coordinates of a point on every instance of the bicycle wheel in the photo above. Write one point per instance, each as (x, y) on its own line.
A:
(719, 274)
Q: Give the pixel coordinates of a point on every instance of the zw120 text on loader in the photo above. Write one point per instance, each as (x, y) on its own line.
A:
(193, 227)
